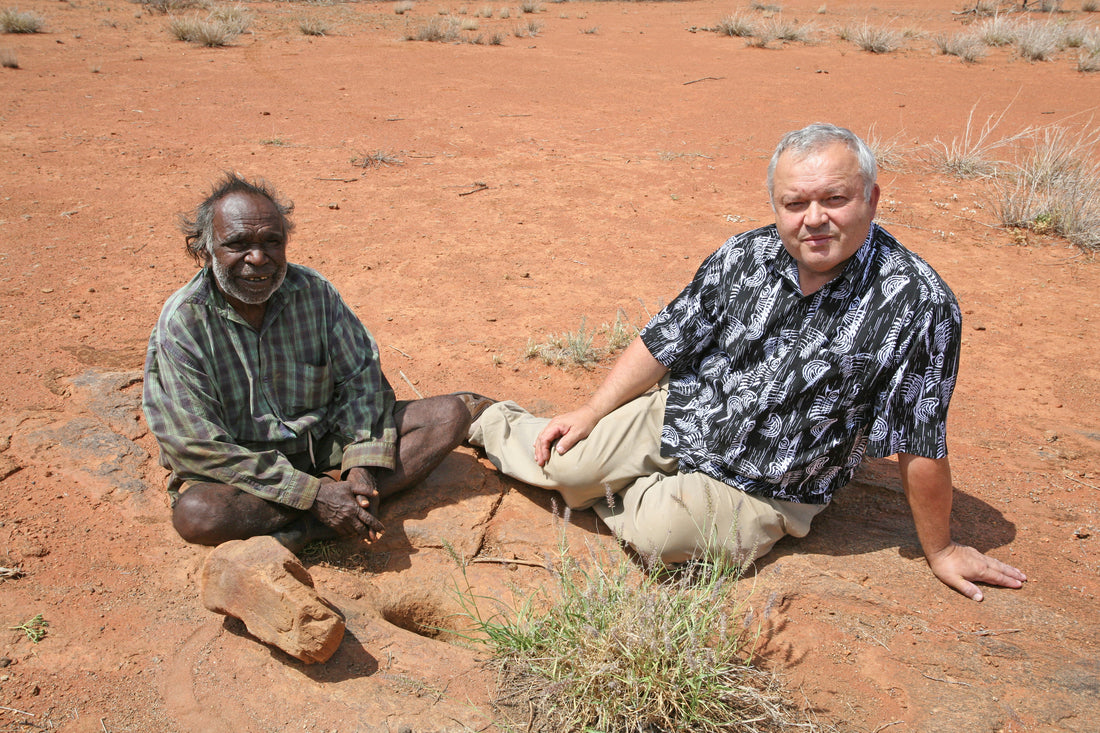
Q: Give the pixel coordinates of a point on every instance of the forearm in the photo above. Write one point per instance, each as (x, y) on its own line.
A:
(928, 488)
(634, 372)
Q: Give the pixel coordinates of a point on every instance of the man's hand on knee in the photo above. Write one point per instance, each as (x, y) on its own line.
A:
(568, 430)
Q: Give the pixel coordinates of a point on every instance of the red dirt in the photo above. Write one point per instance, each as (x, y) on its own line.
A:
(614, 161)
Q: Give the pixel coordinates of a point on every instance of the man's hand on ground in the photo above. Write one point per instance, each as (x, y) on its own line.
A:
(957, 565)
(345, 506)
(567, 430)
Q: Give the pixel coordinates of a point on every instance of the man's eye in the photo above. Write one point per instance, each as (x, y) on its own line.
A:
(795, 205)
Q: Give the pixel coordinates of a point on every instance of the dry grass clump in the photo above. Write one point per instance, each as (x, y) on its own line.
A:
(971, 155)
(578, 347)
(313, 27)
(967, 46)
(1054, 188)
(530, 6)
(8, 59)
(737, 25)
(889, 152)
(217, 29)
(403, 7)
(1038, 41)
(13, 20)
(171, 6)
(436, 30)
(874, 39)
(788, 30)
(1089, 61)
(982, 8)
(609, 648)
(1000, 30)
(1090, 6)
(530, 29)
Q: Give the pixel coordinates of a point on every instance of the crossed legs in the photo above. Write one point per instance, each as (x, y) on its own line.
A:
(212, 513)
(618, 470)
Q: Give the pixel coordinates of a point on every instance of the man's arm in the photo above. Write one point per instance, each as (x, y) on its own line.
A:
(634, 372)
(927, 483)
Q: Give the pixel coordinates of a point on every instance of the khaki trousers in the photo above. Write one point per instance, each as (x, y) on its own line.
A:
(618, 470)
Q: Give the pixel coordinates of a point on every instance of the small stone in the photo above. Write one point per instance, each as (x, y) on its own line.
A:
(4, 662)
(1081, 533)
(264, 585)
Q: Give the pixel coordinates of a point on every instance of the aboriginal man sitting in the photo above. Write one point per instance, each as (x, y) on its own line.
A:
(266, 394)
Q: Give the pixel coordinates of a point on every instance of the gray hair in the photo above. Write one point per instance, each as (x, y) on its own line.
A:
(198, 226)
(817, 136)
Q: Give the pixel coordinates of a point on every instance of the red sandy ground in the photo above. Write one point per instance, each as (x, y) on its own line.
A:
(614, 161)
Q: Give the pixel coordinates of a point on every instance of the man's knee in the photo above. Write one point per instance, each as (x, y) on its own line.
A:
(445, 415)
(195, 519)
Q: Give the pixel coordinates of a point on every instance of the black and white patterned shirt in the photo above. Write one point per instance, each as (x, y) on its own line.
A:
(783, 395)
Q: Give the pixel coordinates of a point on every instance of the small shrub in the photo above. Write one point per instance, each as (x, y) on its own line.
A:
(403, 7)
(1090, 6)
(737, 25)
(17, 21)
(982, 8)
(764, 7)
(496, 40)
(1053, 188)
(789, 31)
(468, 24)
(998, 31)
(234, 17)
(436, 31)
(171, 6)
(607, 647)
(484, 12)
(313, 27)
(1075, 35)
(1038, 41)
(530, 6)
(970, 155)
(889, 153)
(591, 31)
(1088, 62)
(966, 46)
(875, 39)
(530, 30)
(209, 33)
(8, 59)
(379, 158)
(34, 629)
(504, 14)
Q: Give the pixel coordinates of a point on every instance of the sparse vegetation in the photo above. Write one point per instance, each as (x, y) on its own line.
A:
(737, 25)
(219, 28)
(35, 629)
(403, 7)
(13, 20)
(1090, 6)
(530, 6)
(171, 6)
(8, 59)
(889, 154)
(971, 155)
(998, 31)
(1055, 187)
(610, 647)
(966, 46)
(1088, 62)
(435, 30)
(1038, 41)
(528, 30)
(874, 39)
(313, 27)
(578, 347)
(379, 158)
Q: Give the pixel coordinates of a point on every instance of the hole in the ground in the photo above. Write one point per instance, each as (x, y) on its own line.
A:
(424, 616)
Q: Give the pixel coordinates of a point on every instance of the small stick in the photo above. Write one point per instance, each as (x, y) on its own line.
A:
(399, 351)
(705, 78)
(884, 726)
(506, 561)
(414, 389)
(341, 180)
(995, 632)
(515, 115)
(950, 682)
(478, 187)
(101, 725)
(1083, 483)
(21, 712)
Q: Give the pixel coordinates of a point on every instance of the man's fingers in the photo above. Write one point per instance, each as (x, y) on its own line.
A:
(549, 434)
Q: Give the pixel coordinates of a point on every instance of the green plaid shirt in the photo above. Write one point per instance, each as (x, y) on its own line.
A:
(228, 404)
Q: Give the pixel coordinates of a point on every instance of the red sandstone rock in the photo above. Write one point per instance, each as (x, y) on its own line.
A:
(264, 585)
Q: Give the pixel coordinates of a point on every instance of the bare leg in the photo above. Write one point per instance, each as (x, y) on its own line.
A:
(210, 513)
(427, 431)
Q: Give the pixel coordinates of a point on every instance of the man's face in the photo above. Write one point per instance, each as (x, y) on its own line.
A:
(249, 248)
(820, 211)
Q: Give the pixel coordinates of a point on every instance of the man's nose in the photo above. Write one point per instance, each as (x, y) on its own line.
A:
(255, 255)
(816, 215)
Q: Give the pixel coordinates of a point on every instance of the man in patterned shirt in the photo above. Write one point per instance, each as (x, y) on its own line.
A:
(797, 350)
(260, 382)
